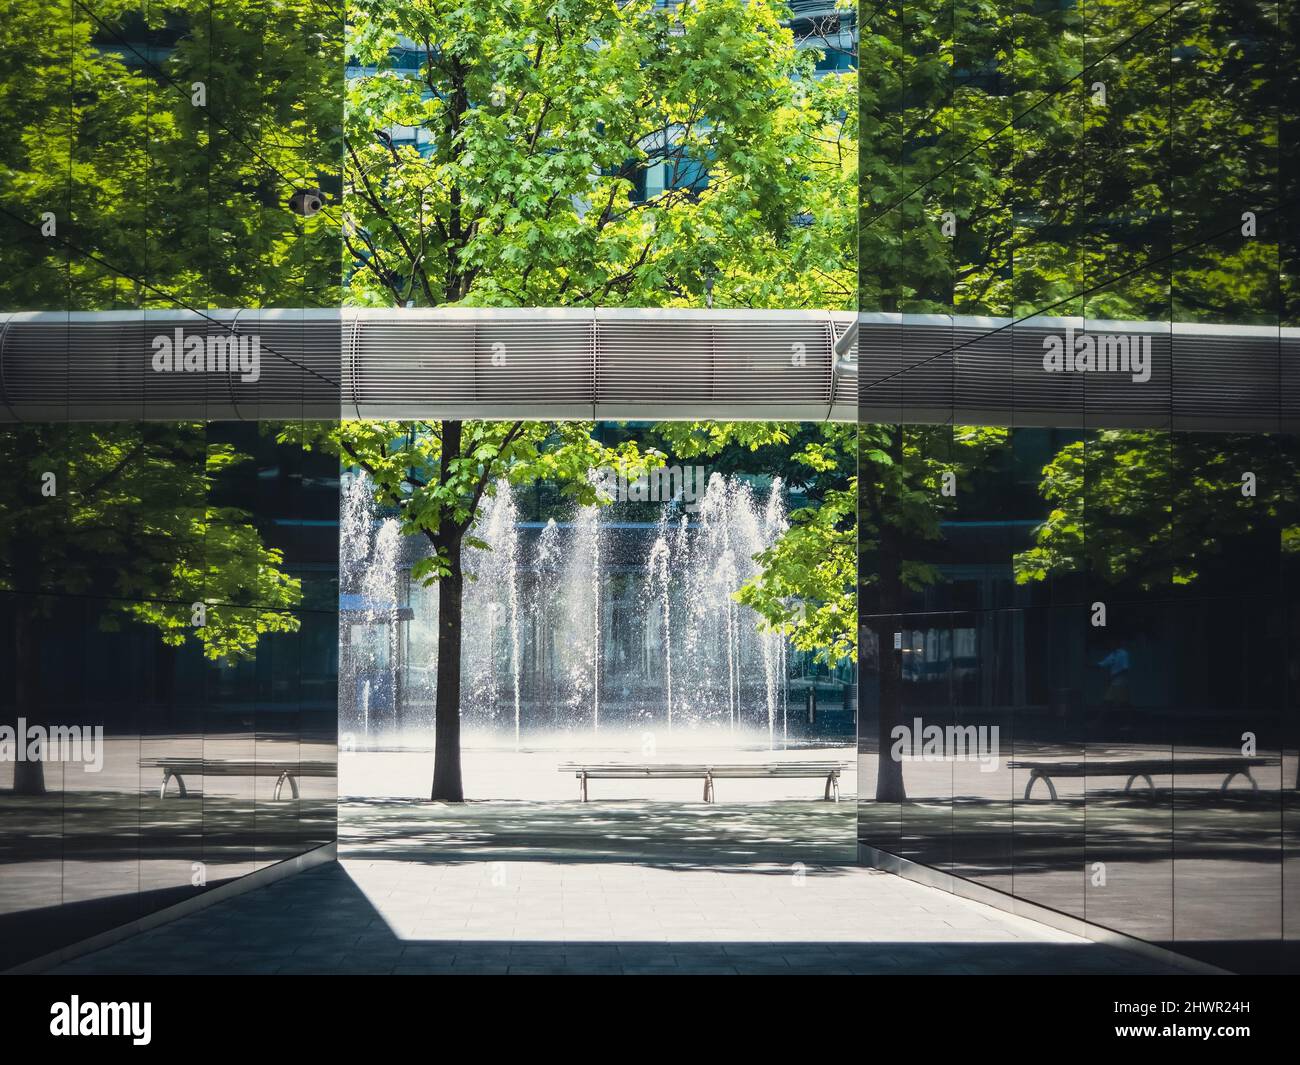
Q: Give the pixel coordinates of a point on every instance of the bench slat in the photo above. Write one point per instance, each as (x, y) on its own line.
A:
(734, 771)
(1157, 766)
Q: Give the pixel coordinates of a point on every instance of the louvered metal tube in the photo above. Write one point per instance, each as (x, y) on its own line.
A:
(937, 369)
(644, 364)
(602, 363)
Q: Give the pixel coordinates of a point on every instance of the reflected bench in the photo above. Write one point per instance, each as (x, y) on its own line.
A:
(284, 772)
(708, 772)
(1146, 768)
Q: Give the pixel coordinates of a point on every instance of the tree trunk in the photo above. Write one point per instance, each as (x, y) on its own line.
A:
(29, 777)
(889, 774)
(25, 558)
(447, 785)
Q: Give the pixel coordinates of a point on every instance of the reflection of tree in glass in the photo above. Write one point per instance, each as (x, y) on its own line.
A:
(1160, 505)
(157, 199)
(903, 500)
(128, 519)
(992, 112)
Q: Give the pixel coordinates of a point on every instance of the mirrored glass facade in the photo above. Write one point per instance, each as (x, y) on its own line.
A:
(1080, 677)
(168, 589)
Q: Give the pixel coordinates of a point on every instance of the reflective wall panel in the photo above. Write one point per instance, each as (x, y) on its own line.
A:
(1094, 625)
(168, 591)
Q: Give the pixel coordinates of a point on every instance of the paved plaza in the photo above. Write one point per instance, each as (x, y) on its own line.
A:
(615, 887)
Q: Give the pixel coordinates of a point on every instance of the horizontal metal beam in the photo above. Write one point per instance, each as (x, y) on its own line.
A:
(939, 369)
(483, 363)
(660, 364)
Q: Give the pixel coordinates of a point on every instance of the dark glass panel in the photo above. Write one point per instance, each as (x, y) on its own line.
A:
(985, 677)
(1129, 829)
(1049, 830)
(31, 793)
(924, 722)
(1125, 217)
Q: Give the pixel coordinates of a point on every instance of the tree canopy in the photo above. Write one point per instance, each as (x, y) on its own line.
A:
(129, 515)
(534, 126)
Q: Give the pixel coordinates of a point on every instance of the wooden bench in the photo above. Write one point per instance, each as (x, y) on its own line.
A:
(284, 772)
(1146, 768)
(708, 772)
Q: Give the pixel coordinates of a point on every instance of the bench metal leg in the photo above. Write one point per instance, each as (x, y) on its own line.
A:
(708, 788)
(279, 784)
(832, 786)
(180, 784)
(582, 786)
(1036, 776)
(1254, 784)
(1144, 776)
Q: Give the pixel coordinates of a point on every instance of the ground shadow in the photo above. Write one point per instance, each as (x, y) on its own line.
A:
(322, 921)
(653, 833)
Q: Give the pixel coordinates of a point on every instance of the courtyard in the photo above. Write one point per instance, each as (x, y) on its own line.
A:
(619, 884)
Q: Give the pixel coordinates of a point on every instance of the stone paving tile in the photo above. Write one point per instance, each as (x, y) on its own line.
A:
(418, 915)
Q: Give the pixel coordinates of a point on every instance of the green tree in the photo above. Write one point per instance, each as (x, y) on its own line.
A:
(1159, 505)
(537, 124)
(123, 513)
(1154, 510)
(989, 112)
(155, 201)
(594, 152)
(807, 589)
(159, 201)
(435, 475)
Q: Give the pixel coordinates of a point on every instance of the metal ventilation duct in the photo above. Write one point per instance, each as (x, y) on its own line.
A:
(428, 363)
(932, 369)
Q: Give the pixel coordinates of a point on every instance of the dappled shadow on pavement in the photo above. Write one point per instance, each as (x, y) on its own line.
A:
(701, 835)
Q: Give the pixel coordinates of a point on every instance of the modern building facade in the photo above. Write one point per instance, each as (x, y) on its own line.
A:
(1080, 683)
(168, 590)
(167, 752)
(1080, 677)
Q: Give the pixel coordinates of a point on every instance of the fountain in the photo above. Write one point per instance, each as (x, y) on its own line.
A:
(547, 566)
(368, 614)
(491, 611)
(581, 616)
(712, 647)
(659, 597)
(581, 625)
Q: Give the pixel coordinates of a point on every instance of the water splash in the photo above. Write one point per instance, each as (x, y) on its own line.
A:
(577, 623)
(379, 595)
(355, 527)
(548, 565)
(774, 644)
(659, 597)
(581, 617)
(368, 614)
(491, 610)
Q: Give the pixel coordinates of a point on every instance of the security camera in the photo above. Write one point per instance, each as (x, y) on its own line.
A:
(306, 202)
